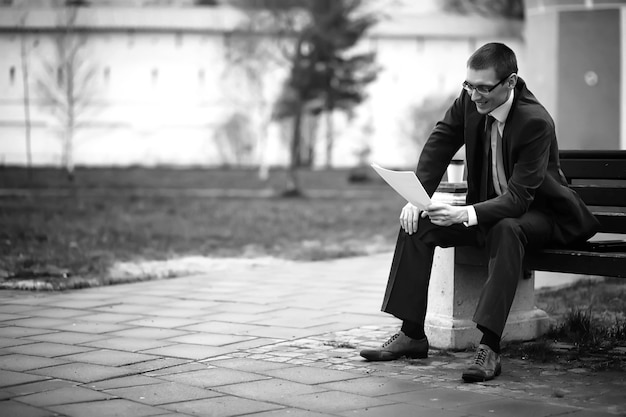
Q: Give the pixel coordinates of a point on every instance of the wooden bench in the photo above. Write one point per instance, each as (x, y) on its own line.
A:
(599, 177)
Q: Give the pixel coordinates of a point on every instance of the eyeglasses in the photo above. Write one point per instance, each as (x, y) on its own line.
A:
(483, 89)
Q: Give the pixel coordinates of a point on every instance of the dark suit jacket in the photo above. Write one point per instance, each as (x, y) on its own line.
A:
(531, 164)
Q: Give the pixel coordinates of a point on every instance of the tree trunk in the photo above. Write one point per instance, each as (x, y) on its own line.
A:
(330, 138)
(27, 122)
(71, 119)
(292, 188)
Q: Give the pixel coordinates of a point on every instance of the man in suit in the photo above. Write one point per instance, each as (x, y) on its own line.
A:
(517, 198)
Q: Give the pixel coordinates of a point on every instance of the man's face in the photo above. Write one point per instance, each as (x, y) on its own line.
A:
(487, 102)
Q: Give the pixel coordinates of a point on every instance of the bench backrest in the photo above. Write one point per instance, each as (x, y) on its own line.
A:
(599, 177)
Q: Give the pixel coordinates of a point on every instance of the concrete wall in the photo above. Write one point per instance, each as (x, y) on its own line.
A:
(164, 91)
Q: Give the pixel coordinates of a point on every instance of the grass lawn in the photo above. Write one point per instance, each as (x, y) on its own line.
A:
(79, 229)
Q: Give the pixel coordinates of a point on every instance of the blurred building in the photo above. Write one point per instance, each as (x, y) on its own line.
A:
(161, 82)
(577, 67)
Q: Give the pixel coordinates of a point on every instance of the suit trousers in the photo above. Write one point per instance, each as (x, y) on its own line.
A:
(506, 242)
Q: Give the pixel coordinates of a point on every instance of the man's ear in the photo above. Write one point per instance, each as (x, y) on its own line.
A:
(512, 81)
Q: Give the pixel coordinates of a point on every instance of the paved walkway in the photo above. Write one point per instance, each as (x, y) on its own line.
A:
(273, 339)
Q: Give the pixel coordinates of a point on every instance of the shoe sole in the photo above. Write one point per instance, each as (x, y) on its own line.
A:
(374, 358)
(478, 378)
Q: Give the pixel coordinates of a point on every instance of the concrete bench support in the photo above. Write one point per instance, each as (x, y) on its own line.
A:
(453, 294)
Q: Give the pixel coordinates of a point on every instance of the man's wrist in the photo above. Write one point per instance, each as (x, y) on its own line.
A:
(472, 219)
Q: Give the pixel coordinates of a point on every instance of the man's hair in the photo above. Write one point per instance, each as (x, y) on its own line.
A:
(494, 55)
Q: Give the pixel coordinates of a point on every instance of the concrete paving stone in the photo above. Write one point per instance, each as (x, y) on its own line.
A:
(38, 322)
(110, 408)
(22, 298)
(293, 412)
(243, 364)
(17, 362)
(184, 313)
(138, 298)
(272, 390)
(190, 304)
(91, 327)
(374, 386)
(12, 408)
(505, 407)
(210, 339)
(57, 313)
(295, 322)
(40, 386)
(296, 313)
(66, 395)
(221, 407)
(123, 382)
(592, 413)
(110, 317)
(17, 331)
(187, 351)
(284, 333)
(15, 308)
(164, 393)
(209, 378)
(122, 308)
(230, 317)
(73, 338)
(442, 397)
(9, 378)
(310, 375)
(253, 343)
(238, 307)
(8, 342)
(331, 401)
(83, 372)
(11, 317)
(215, 326)
(128, 344)
(179, 369)
(402, 410)
(151, 333)
(156, 364)
(79, 303)
(47, 349)
(109, 357)
(163, 322)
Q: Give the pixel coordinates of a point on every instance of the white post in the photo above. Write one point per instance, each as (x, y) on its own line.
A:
(454, 291)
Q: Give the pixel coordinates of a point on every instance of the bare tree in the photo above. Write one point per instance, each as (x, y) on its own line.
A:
(254, 50)
(66, 83)
(510, 9)
(26, 100)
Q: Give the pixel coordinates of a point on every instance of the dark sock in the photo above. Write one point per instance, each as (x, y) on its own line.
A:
(490, 339)
(413, 330)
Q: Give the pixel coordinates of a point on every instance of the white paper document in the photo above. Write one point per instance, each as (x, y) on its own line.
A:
(406, 184)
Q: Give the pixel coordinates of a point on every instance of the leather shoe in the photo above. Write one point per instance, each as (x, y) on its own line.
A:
(397, 346)
(486, 365)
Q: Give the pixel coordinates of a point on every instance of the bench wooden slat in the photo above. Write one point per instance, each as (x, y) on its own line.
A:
(594, 169)
(592, 154)
(609, 264)
(612, 222)
(594, 195)
(586, 262)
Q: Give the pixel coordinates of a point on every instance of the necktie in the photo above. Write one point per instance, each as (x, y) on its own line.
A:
(499, 177)
(486, 183)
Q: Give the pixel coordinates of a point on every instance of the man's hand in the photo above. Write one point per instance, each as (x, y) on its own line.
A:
(446, 215)
(409, 218)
